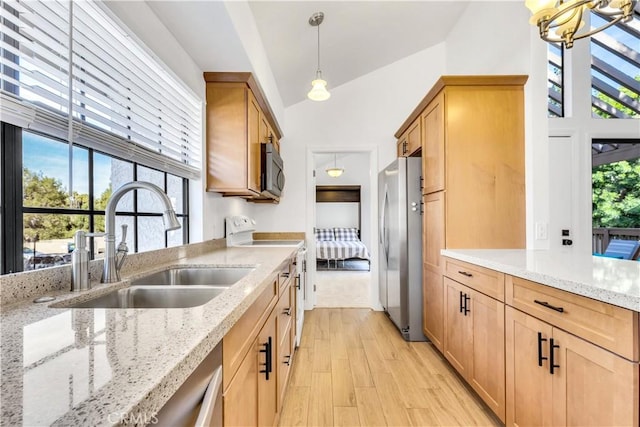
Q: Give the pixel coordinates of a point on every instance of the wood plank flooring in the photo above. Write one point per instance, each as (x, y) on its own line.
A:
(354, 369)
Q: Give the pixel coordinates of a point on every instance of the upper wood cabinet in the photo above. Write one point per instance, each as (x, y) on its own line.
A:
(410, 143)
(433, 142)
(238, 120)
(473, 148)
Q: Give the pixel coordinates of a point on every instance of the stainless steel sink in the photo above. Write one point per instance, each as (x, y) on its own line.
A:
(191, 276)
(156, 296)
(177, 287)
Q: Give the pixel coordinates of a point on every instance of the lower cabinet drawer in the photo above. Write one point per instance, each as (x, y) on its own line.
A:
(484, 280)
(613, 328)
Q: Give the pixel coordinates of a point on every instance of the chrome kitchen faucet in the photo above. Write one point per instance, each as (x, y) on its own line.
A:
(111, 269)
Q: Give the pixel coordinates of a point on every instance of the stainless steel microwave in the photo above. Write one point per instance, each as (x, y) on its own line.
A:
(272, 171)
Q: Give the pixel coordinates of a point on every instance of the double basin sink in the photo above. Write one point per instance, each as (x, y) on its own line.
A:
(177, 287)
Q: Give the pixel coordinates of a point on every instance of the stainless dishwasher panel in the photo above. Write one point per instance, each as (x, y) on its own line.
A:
(198, 401)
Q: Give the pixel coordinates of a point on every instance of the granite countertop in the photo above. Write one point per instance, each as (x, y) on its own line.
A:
(65, 366)
(608, 280)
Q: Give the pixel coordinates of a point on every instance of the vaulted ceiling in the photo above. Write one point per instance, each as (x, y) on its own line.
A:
(356, 37)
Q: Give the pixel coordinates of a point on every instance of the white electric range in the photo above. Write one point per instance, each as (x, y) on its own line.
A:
(239, 231)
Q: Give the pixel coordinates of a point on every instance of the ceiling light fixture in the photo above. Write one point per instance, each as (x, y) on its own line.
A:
(335, 171)
(318, 90)
(566, 17)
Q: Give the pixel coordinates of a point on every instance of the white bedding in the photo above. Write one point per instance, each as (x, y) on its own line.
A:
(341, 249)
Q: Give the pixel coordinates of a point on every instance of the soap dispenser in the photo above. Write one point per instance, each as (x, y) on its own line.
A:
(80, 261)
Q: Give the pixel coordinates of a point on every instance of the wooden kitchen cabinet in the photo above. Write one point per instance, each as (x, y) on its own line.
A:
(410, 143)
(474, 341)
(588, 386)
(472, 133)
(257, 355)
(238, 121)
(268, 372)
(433, 292)
(240, 398)
(433, 146)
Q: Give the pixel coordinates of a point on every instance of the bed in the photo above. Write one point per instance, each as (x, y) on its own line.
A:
(338, 244)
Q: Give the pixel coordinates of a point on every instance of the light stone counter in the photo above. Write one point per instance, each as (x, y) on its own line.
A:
(609, 280)
(86, 367)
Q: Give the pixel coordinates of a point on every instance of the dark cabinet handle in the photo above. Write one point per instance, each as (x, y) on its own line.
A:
(267, 362)
(461, 302)
(540, 356)
(298, 281)
(404, 147)
(552, 307)
(287, 311)
(552, 364)
(465, 273)
(466, 306)
(285, 274)
(287, 360)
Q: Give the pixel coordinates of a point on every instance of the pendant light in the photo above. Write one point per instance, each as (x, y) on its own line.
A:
(335, 171)
(318, 90)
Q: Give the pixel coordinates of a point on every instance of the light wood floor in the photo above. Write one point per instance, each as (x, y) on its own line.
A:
(354, 369)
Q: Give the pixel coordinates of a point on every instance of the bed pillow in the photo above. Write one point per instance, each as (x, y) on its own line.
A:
(324, 234)
(348, 234)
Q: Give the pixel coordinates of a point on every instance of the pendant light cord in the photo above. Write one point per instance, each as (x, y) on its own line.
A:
(318, 72)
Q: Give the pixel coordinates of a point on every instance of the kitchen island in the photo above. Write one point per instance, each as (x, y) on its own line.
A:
(545, 337)
(70, 366)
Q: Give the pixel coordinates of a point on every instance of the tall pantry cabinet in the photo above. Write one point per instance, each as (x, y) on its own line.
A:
(472, 132)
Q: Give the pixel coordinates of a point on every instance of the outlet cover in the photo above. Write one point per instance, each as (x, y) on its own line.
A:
(541, 231)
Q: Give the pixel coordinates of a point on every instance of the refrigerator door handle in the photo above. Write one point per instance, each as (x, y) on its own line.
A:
(384, 238)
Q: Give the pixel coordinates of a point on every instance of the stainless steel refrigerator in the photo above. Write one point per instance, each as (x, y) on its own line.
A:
(400, 245)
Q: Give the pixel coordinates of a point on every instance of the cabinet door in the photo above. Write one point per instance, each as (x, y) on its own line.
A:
(457, 345)
(240, 400)
(253, 143)
(402, 147)
(592, 386)
(486, 358)
(414, 137)
(433, 145)
(267, 344)
(529, 385)
(432, 287)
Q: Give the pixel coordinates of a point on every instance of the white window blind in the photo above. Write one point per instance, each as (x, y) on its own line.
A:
(125, 102)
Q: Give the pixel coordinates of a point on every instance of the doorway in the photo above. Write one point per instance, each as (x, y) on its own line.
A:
(345, 285)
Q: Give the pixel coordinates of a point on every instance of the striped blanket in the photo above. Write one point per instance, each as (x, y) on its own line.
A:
(341, 249)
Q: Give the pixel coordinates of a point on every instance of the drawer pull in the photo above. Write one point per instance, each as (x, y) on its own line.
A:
(552, 307)
(287, 311)
(285, 274)
(540, 356)
(552, 365)
(465, 273)
(287, 360)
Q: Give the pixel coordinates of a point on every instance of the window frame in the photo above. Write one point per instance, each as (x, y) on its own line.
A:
(13, 209)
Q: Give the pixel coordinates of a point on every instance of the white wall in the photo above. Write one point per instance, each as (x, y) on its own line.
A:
(357, 171)
(337, 215)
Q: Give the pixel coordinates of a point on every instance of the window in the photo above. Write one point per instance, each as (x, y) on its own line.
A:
(51, 217)
(128, 118)
(615, 70)
(555, 80)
